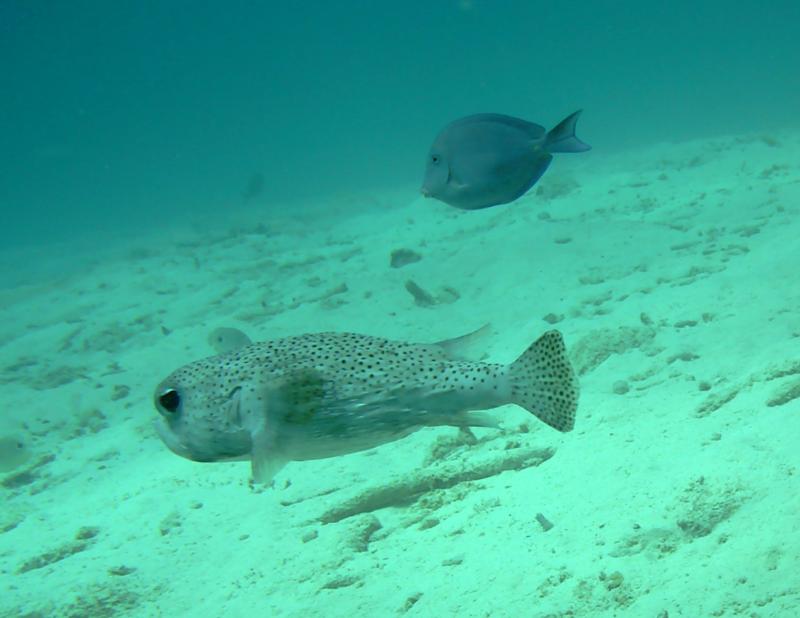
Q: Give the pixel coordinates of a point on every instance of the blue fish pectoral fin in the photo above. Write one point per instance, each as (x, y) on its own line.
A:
(562, 138)
(453, 181)
(539, 168)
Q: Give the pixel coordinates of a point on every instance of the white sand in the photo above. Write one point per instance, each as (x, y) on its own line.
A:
(676, 273)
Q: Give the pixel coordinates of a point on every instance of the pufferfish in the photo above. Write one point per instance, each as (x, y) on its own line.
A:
(328, 394)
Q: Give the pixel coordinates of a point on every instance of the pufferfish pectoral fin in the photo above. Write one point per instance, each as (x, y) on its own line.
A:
(265, 458)
(292, 401)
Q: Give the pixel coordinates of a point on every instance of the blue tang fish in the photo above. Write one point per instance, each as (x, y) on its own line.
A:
(490, 159)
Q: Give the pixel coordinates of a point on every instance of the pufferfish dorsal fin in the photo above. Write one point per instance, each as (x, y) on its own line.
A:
(469, 347)
(225, 339)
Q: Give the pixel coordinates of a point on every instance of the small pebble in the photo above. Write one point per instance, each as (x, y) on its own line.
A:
(121, 571)
(421, 297)
(614, 580)
(621, 387)
(552, 318)
(87, 532)
(545, 523)
(403, 257)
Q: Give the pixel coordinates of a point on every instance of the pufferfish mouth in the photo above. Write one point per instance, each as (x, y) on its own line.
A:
(237, 447)
(171, 440)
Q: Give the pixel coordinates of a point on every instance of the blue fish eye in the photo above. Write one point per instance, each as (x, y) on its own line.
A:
(435, 158)
(169, 401)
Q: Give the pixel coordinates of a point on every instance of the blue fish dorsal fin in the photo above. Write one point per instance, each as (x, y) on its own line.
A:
(535, 131)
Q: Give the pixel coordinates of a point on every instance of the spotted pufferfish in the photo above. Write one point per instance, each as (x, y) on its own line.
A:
(327, 394)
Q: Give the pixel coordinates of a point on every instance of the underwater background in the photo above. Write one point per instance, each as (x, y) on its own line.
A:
(170, 168)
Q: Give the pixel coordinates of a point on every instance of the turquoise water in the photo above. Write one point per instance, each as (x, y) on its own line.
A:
(136, 116)
(172, 168)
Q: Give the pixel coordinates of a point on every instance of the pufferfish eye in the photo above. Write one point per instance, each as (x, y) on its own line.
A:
(169, 401)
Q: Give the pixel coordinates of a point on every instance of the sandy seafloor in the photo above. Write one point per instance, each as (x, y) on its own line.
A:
(674, 274)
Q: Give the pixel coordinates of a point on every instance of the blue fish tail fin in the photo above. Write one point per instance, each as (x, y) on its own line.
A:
(561, 138)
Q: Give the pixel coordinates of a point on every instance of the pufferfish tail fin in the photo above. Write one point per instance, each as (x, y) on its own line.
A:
(544, 383)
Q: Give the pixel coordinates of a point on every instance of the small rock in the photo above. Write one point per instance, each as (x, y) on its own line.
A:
(421, 297)
(614, 580)
(121, 570)
(621, 387)
(448, 295)
(552, 318)
(87, 532)
(545, 523)
(403, 257)
(410, 602)
(120, 392)
(170, 523)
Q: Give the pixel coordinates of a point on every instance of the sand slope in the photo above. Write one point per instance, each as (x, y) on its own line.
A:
(673, 273)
